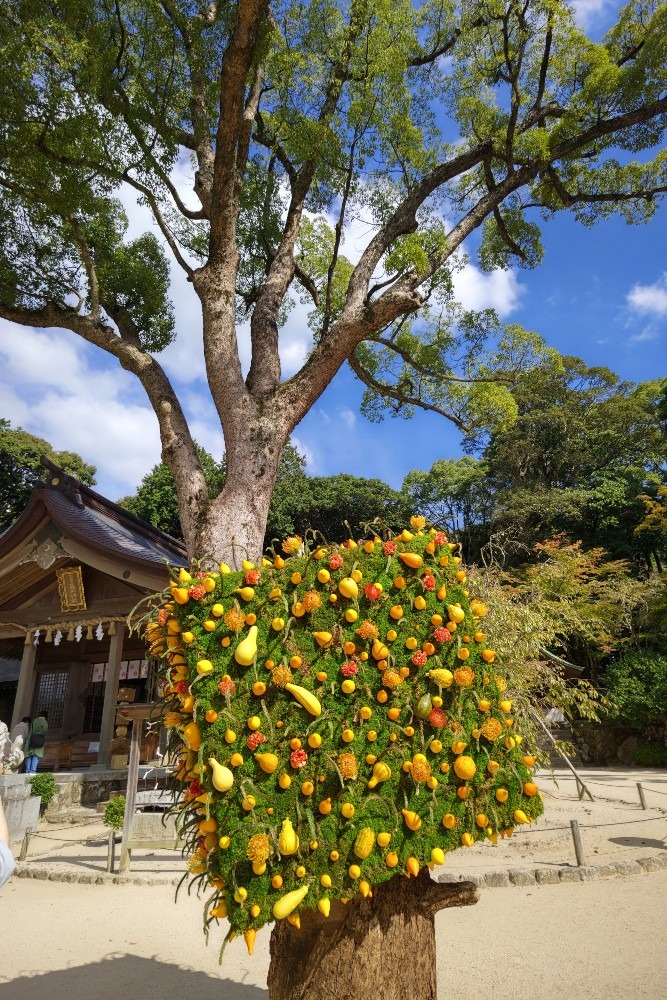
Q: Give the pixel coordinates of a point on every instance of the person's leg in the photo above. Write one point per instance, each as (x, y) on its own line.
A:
(31, 763)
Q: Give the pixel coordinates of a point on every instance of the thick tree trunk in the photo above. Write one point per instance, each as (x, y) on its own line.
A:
(232, 527)
(382, 946)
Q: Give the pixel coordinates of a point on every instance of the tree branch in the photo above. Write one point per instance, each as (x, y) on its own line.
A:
(568, 199)
(338, 235)
(385, 390)
(430, 373)
(164, 228)
(87, 260)
(264, 374)
(307, 282)
(608, 126)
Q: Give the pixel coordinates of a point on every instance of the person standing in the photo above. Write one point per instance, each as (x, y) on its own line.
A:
(36, 740)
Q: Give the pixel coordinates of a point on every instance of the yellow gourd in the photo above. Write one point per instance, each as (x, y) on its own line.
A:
(465, 768)
(411, 559)
(305, 698)
(381, 772)
(192, 736)
(221, 776)
(412, 865)
(204, 667)
(267, 761)
(288, 841)
(247, 593)
(324, 906)
(412, 820)
(249, 936)
(348, 588)
(323, 639)
(379, 651)
(246, 651)
(455, 613)
(364, 843)
(224, 568)
(284, 906)
(180, 595)
(520, 816)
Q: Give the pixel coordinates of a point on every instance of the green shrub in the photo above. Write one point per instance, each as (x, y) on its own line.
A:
(44, 785)
(651, 755)
(637, 687)
(114, 813)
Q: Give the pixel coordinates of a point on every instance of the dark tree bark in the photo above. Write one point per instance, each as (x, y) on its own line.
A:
(383, 945)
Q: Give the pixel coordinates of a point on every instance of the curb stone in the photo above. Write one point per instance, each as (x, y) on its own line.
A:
(30, 870)
(493, 879)
(547, 876)
(554, 876)
(522, 876)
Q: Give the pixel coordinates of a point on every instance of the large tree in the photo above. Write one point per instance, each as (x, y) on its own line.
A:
(431, 120)
(583, 448)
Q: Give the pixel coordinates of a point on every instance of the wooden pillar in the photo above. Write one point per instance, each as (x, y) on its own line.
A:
(110, 697)
(130, 794)
(26, 685)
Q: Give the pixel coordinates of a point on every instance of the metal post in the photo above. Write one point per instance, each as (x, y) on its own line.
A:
(111, 850)
(26, 843)
(578, 846)
(642, 798)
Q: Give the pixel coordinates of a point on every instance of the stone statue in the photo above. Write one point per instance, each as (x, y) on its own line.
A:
(11, 753)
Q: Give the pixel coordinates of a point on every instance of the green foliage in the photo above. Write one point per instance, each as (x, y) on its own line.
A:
(114, 813)
(637, 688)
(343, 504)
(20, 469)
(583, 457)
(366, 697)
(456, 495)
(461, 364)
(595, 605)
(651, 755)
(45, 786)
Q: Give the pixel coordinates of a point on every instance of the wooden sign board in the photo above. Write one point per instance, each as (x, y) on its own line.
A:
(70, 589)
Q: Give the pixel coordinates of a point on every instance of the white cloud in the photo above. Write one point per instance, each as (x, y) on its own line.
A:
(648, 333)
(649, 300)
(587, 12)
(61, 389)
(499, 290)
(349, 417)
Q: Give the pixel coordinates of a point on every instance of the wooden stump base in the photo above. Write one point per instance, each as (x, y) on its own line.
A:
(382, 946)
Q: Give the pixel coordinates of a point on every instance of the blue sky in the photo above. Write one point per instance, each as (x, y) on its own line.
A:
(601, 293)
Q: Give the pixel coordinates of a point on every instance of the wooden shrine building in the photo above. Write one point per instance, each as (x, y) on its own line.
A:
(72, 568)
